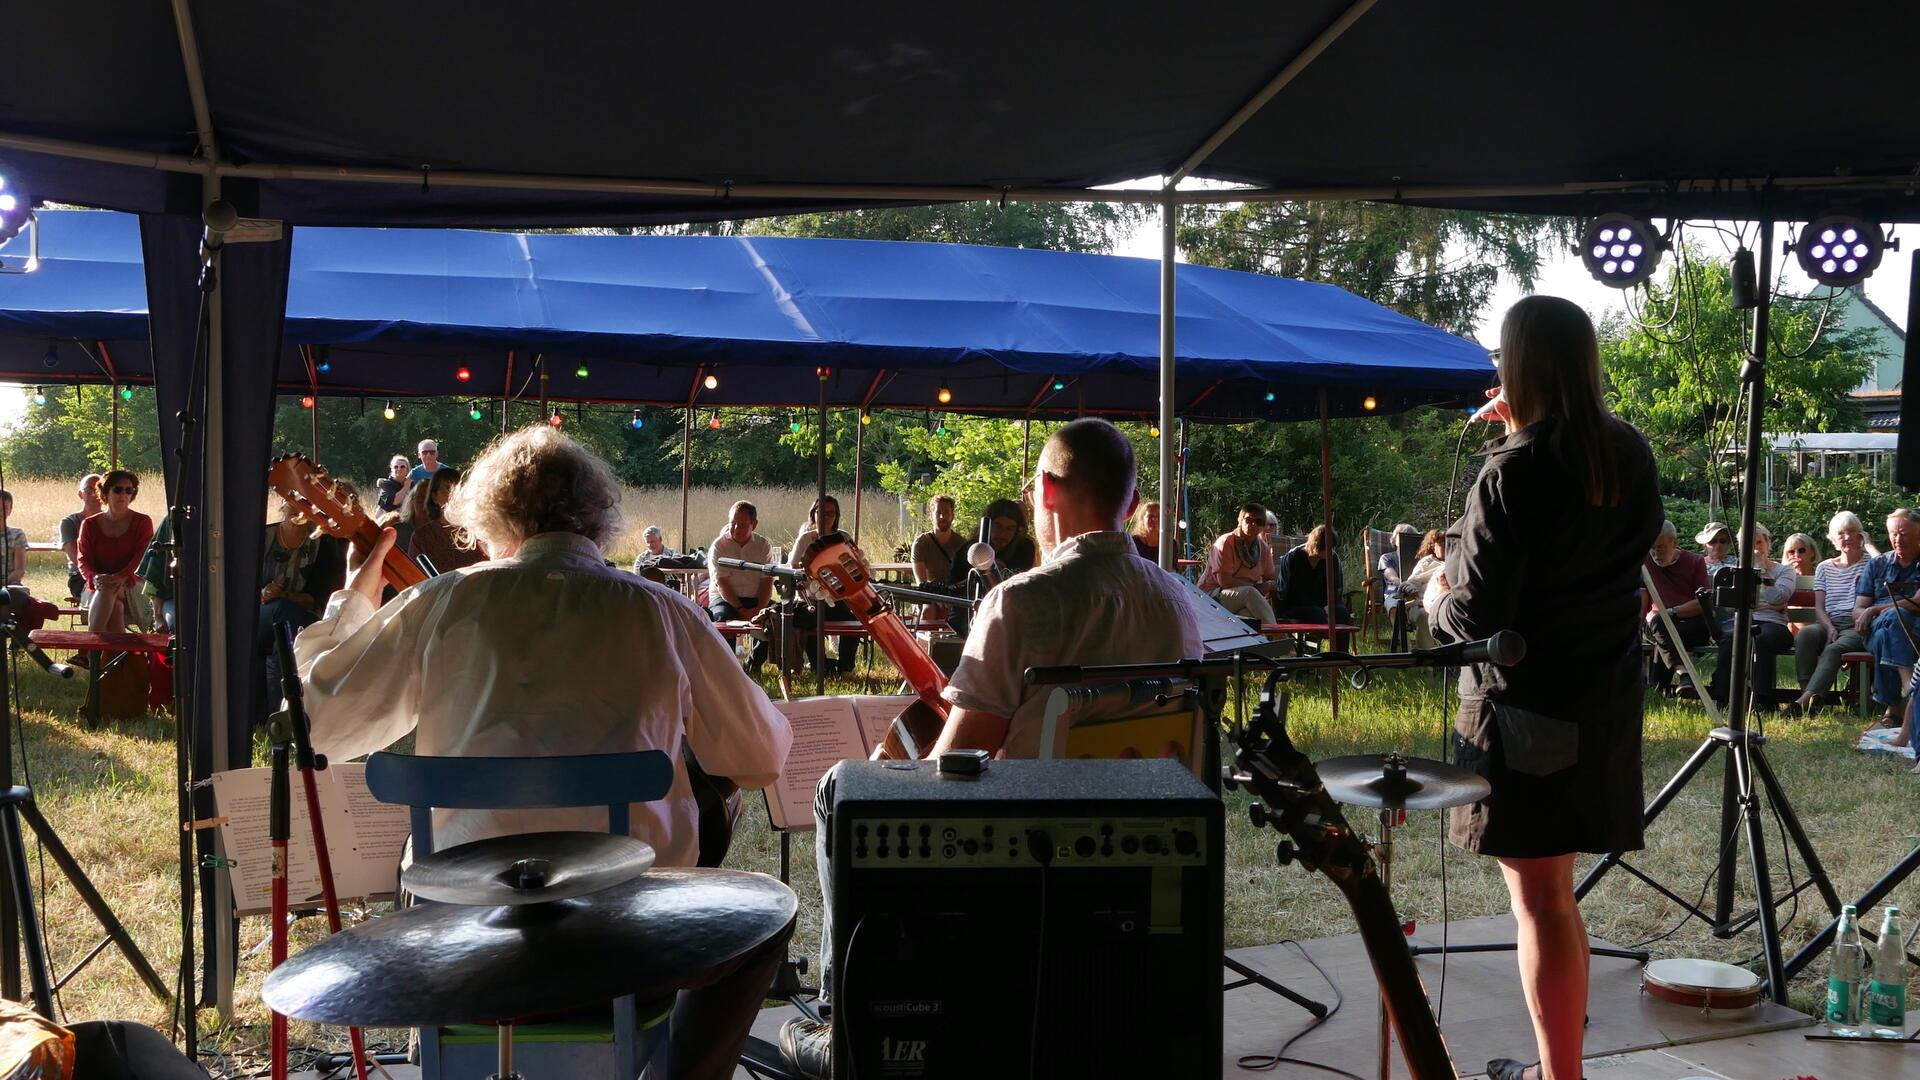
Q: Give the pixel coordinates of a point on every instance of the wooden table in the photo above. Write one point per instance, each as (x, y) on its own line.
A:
(120, 644)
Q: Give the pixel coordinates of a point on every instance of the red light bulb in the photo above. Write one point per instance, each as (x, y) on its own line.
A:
(463, 374)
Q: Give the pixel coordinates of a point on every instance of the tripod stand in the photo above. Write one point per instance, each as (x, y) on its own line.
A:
(19, 923)
(1747, 771)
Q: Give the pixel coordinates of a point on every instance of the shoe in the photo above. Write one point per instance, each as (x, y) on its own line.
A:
(808, 1048)
(1508, 1069)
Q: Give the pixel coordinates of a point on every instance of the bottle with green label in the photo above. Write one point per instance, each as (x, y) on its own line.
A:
(1847, 978)
(1887, 989)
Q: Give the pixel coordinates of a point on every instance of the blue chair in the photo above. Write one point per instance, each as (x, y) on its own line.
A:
(637, 1032)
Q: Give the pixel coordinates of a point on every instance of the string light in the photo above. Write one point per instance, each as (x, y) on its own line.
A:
(474, 413)
(556, 419)
(713, 422)
(822, 373)
(1153, 431)
(581, 371)
(1269, 393)
(712, 382)
(794, 427)
(306, 401)
(126, 393)
(39, 395)
(463, 374)
(389, 412)
(866, 417)
(324, 366)
(945, 395)
(1059, 385)
(941, 430)
(1368, 403)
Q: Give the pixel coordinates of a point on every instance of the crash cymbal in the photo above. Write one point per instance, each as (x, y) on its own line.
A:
(1398, 782)
(528, 868)
(450, 964)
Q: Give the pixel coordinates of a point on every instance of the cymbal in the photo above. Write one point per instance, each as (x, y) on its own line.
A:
(528, 868)
(442, 964)
(1398, 782)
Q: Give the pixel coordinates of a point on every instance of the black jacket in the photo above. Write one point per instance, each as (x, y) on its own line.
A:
(1532, 556)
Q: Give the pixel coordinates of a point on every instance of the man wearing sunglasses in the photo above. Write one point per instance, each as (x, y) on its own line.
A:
(429, 452)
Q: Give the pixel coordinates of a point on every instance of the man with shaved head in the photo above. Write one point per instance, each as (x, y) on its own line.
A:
(1090, 601)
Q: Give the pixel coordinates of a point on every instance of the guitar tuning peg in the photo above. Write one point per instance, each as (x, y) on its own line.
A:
(1284, 853)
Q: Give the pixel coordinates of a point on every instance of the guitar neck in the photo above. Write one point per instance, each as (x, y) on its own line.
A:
(397, 570)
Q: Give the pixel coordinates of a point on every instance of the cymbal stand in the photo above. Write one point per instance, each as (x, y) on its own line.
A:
(1383, 854)
(504, 1037)
(291, 733)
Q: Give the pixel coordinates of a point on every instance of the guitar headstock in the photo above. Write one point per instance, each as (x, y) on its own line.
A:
(317, 498)
(1291, 798)
(838, 568)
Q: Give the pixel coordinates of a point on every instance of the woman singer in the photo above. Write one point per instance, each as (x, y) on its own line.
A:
(1550, 546)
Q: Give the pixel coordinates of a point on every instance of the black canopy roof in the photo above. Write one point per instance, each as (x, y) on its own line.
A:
(608, 111)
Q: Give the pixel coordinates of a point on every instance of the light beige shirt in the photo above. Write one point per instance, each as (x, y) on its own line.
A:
(550, 652)
(744, 583)
(1093, 602)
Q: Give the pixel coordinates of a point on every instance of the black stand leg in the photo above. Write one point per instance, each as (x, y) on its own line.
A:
(1250, 977)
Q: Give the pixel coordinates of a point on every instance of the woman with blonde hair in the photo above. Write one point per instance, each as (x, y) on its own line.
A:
(1557, 735)
(1145, 530)
(433, 535)
(1820, 645)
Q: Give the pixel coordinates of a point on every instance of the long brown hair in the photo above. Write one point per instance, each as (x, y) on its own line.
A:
(1550, 368)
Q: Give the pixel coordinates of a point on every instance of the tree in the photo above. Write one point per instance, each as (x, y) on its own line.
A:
(1438, 266)
(1092, 227)
(1675, 370)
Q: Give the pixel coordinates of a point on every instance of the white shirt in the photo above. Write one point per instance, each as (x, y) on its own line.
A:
(1093, 602)
(744, 583)
(806, 536)
(549, 652)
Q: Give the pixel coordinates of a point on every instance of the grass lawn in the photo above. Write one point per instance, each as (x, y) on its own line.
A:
(108, 793)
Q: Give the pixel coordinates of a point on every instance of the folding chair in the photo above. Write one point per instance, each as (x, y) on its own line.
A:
(635, 1035)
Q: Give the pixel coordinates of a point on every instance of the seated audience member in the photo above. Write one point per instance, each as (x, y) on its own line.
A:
(392, 488)
(1887, 613)
(1239, 571)
(1771, 639)
(653, 548)
(1678, 576)
(432, 535)
(1802, 553)
(740, 594)
(1093, 602)
(823, 518)
(1145, 530)
(935, 551)
(70, 534)
(13, 543)
(429, 452)
(1301, 594)
(1013, 553)
(1716, 542)
(108, 550)
(546, 650)
(157, 577)
(1819, 645)
(1394, 590)
(1432, 556)
(300, 567)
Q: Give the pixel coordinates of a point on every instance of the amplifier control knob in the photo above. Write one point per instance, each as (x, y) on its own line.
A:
(1129, 844)
(1185, 842)
(1083, 847)
(1152, 844)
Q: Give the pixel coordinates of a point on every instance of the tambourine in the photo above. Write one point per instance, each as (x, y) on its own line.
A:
(1700, 984)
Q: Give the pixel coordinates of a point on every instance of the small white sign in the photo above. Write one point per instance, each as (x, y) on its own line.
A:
(255, 231)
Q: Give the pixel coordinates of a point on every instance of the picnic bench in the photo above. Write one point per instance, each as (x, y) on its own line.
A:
(109, 651)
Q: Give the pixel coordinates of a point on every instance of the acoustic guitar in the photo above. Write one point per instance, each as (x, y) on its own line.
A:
(841, 571)
(320, 500)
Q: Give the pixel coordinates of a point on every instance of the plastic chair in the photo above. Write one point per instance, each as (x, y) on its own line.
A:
(569, 1047)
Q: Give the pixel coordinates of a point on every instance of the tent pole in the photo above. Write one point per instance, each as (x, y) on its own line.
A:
(113, 445)
(1179, 507)
(1328, 557)
(686, 473)
(1026, 449)
(541, 360)
(213, 497)
(506, 396)
(1167, 269)
(859, 479)
(821, 457)
(316, 426)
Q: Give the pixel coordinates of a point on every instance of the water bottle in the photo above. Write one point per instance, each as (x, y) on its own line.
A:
(1846, 979)
(1887, 989)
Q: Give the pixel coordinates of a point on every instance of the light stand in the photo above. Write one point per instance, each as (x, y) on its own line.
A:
(1747, 766)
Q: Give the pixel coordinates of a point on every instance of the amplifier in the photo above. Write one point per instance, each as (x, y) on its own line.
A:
(1043, 919)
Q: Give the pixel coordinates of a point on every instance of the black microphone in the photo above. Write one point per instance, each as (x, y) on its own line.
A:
(1505, 648)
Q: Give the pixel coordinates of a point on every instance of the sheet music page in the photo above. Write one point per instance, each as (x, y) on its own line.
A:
(826, 731)
(364, 835)
(875, 713)
(242, 796)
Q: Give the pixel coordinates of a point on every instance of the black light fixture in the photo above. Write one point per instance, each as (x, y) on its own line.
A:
(1620, 250)
(1839, 249)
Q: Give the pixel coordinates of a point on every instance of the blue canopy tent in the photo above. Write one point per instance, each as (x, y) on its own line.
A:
(394, 313)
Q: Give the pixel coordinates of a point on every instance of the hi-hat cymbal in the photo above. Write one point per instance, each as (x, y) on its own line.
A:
(1397, 782)
(528, 868)
(450, 964)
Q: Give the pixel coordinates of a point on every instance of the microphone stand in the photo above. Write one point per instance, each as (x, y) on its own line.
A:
(290, 731)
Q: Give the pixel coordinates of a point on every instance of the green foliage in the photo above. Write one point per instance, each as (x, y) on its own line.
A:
(1055, 226)
(1438, 266)
(1679, 382)
(1817, 498)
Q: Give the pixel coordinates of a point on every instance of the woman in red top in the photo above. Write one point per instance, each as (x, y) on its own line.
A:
(108, 551)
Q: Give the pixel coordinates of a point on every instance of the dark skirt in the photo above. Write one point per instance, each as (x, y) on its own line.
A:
(1558, 786)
